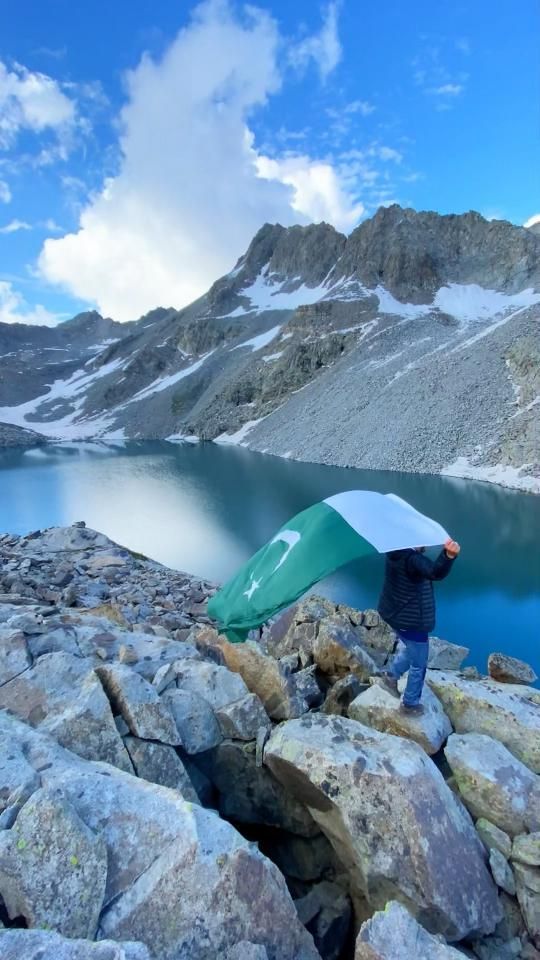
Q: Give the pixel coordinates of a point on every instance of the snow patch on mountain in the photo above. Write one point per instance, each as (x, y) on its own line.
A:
(466, 302)
(262, 340)
(236, 439)
(163, 383)
(62, 390)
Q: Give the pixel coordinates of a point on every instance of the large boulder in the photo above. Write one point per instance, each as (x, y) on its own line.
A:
(377, 708)
(506, 712)
(296, 630)
(53, 868)
(444, 655)
(47, 945)
(243, 719)
(160, 763)
(493, 783)
(394, 823)
(14, 656)
(335, 637)
(266, 677)
(337, 651)
(216, 684)
(250, 794)
(138, 703)
(62, 696)
(393, 934)
(510, 669)
(195, 720)
(179, 878)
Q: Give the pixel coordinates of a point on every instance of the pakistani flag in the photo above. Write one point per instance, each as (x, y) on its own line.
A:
(314, 544)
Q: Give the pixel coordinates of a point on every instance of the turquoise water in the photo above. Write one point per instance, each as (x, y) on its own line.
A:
(205, 509)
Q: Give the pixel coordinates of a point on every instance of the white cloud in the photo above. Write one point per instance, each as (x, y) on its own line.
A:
(5, 192)
(388, 153)
(449, 90)
(51, 226)
(319, 192)
(31, 101)
(14, 309)
(532, 220)
(189, 194)
(324, 47)
(14, 226)
(363, 107)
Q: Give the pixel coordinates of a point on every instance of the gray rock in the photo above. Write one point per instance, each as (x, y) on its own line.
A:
(502, 872)
(493, 837)
(305, 859)
(527, 875)
(512, 924)
(294, 630)
(528, 894)
(526, 849)
(337, 651)
(377, 708)
(264, 676)
(217, 884)
(499, 710)
(159, 763)
(307, 687)
(392, 933)
(327, 914)
(46, 945)
(17, 777)
(493, 783)
(178, 876)
(62, 695)
(53, 868)
(14, 657)
(219, 686)
(30, 623)
(195, 720)
(242, 719)
(136, 700)
(510, 670)
(341, 695)
(250, 794)
(393, 822)
(444, 655)
(246, 951)
(493, 948)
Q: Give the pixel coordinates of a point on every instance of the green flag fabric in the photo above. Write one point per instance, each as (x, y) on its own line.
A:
(312, 545)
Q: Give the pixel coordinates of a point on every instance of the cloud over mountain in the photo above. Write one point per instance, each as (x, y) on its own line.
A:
(192, 188)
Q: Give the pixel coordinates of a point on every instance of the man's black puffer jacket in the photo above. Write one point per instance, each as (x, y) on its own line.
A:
(407, 600)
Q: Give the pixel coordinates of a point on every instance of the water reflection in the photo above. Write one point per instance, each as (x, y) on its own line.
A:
(206, 508)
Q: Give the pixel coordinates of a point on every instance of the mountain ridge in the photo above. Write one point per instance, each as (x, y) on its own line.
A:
(378, 319)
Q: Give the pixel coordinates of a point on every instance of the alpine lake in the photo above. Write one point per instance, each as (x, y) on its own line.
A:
(206, 508)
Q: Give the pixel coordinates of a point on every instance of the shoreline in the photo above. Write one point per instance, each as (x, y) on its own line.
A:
(504, 476)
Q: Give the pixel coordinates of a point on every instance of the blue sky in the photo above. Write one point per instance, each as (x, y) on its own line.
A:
(142, 144)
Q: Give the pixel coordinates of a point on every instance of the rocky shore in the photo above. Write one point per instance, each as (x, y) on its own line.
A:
(167, 795)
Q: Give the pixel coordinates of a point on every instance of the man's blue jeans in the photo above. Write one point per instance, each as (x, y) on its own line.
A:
(413, 656)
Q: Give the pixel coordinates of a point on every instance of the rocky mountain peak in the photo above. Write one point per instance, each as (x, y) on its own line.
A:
(413, 254)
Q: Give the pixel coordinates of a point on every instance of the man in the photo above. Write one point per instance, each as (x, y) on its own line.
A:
(407, 603)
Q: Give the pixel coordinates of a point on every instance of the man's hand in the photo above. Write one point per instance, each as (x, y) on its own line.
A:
(452, 549)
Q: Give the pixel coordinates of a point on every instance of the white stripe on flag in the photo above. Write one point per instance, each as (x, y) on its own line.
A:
(387, 521)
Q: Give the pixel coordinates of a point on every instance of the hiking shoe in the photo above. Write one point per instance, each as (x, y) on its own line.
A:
(412, 710)
(389, 683)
